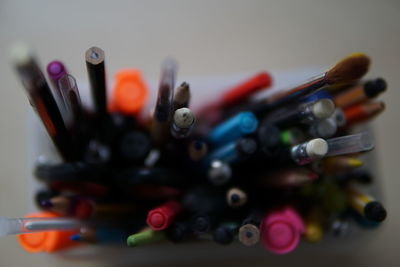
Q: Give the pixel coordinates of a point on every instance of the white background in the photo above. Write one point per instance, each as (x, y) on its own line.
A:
(208, 38)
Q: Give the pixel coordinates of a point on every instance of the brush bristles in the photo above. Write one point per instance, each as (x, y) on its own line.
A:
(349, 69)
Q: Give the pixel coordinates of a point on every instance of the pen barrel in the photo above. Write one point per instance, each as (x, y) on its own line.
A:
(97, 79)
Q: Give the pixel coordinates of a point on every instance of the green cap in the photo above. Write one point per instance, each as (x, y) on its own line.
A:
(145, 237)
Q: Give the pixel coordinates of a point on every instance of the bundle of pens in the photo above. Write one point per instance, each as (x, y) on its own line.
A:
(271, 170)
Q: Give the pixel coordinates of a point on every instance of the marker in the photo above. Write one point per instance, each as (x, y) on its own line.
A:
(233, 152)
(145, 237)
(349, 144)
(182, 96)
(362, 112)
(235, 127)
(56, 69)
(202, 223)
(164, 105)
(133, 147)
(197, 150)
(42, 100)
(281, 230)
(162, 216)
(339, 164)
(178, 231)
(236, 197)
(313, 226)
(129, 93)
(324, 128)
(309, 151)
(225, 233)
(243, 91)
(95, 59)
(306, 114)
(347, 70)
(182, 123)
(289, 177)
(100, 235)
(366, 206)
(360, 93)
(219, 172)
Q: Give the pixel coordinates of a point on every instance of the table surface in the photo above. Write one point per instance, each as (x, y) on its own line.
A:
(208, 38)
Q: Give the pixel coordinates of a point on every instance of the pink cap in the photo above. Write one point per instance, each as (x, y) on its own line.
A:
(162, 216)
(281, 230)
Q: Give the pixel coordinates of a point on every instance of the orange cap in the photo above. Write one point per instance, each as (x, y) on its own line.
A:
(129, 93)
(50, 241)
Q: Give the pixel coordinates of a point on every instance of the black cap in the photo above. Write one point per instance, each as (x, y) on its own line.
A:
(268, 136)
(246, 146)
(374, 87)
(374, 211)
(134, 146)
(201, 224)
(177, 232)
(223, 235)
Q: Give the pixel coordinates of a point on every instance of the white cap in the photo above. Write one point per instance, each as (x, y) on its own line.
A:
(323, 108)
(317, 148)
(183, 118)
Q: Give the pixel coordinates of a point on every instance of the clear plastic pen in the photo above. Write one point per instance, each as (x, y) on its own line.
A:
(349, 144)
(15, 226)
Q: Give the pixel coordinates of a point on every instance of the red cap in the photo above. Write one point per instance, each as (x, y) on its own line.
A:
(50, 241)
(244, 90)
(161, 217)
(129, 93)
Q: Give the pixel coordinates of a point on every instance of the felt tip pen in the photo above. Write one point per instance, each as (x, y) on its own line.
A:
(268, 137)
(145, 237)
(55, 70)
(313, 226)
(233, 128)
(249, 232)
(133, 147)
(163, 216)
(225, 233)
(340, 227)
(339, 164)
(366, 206)
(349, 144)
(233, 152)
(281, 230)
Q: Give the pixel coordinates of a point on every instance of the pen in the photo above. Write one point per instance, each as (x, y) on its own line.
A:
(41, 99)
(366, 206)
(182, 123)
(182, 96)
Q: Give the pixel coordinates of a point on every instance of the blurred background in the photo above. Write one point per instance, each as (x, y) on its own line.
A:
(210, 37)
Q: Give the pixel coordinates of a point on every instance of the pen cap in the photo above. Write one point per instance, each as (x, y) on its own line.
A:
(162, 216)
(281, 230)
(129, 93)
(349, 144)
(50, 241)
